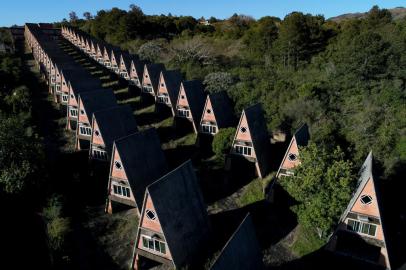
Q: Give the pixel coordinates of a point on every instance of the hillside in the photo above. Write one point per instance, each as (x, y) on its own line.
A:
(397, 13)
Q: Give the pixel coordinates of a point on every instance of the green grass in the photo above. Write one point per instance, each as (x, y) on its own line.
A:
(189, 139)
(254, 191)
(306, 242)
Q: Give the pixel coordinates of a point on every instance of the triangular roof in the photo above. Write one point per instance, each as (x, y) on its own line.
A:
(222, 109)
(81, 81)
(143, 160)
(115, 123)
(366, 178)
(126, 57)
(154, 70)
(365, 175)
(196, 98)
(181, 211)
(97, 100)
(173, 79)
(242, 251)
(259, 135)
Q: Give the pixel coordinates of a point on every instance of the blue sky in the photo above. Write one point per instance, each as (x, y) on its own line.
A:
(21, 11)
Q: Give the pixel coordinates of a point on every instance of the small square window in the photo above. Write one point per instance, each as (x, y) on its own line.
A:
(118, 165)
(243, 129)
(150, 214)
(208, 111)
(292, 157)
(366, 199)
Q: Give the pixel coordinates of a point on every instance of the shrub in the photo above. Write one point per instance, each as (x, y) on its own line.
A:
(222, 141)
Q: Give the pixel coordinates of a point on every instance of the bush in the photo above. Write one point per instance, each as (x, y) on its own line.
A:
(222, 141)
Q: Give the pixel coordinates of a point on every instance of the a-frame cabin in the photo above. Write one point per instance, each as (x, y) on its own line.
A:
(168, 89)
(88, 103)
(291, 158)
(150, 79)
(115, 60)
(110, 125)
(251, 140)
(242, 250)
(190, 103)
(218, 113)
(361, 232)
(137, 161)
(136, 72)
(174, 225)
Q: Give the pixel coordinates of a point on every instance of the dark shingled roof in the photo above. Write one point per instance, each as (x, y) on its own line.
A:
(242, 251)
(115, 123)
(173, 79)
(222, 109)
(154, 71)
(302, 135)
(143, 160)
(81, 81)
(196, 98)
(260, 137)
(97, 100)
(181, 211)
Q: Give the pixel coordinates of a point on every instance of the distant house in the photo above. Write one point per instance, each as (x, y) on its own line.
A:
(190, 103)
(90, 102)
(168, 89)
(251, 140)
(361, 232)
(174, 226)
(150, 78)
(218, 113)
(93, 49)
(57, 80)
(100, 53)
(108, 52)
(242, 251)
(137, 161)
(80, 82)
(291, 158)
(115, 60)
(136, 72)
(110, 125)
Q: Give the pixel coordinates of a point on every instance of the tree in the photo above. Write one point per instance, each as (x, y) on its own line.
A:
(222, 141)
(19, 99)
(218, 81)
(150, 51)
(193, 50)
(322, 185)
(20, 154)
(87, 15)
(73, 17)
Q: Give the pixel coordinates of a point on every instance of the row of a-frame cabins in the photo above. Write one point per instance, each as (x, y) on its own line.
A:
(171, 231)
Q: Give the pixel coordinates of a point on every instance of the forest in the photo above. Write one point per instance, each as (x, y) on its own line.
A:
(346, 79)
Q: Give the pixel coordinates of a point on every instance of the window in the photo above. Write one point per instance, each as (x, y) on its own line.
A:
(148, 88)
(243, 150)
(85, 131)
(366, 199)
(153, 244)
(292, 157)
(65, 98)
(208, 111)
(163, 99)
(361, 227)
(243, 129)
(163, 85)
(122, 191)
(97, 133)
(182, 97)
(73, 112)
(150, 214)
(118, 165)
(99, 154)
(82, 112)
(209, 129)
(146, 75)
(183, 113)
(71, 96)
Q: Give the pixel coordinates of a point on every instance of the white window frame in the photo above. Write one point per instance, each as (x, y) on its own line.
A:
(85, 130)
(99, 154)
(120, 190)
(209, 129)
(73, 112)
(360, 227)
(162, 98)
(154, 244)
(243, 150)
(185, 113)
(147, 88)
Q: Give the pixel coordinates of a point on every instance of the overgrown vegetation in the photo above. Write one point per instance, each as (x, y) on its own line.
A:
(222, 142)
